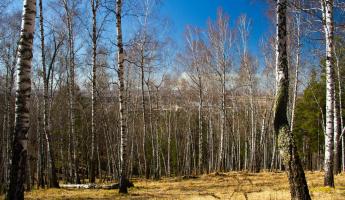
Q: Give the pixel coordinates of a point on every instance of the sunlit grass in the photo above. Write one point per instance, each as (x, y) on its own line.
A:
(234, 185)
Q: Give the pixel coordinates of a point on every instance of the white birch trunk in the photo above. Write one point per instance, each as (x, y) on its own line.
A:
(122, 102)
(94, 8)
(327, 13)
(22, 113)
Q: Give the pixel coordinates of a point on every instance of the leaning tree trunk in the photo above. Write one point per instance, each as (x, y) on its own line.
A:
(123, 141)
(22, 114)
(288, 151)
(327, 14)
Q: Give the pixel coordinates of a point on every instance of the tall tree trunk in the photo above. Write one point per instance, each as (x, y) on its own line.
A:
(169, 140)
(337, 132)
(94, 8)
(222, 121)
(200, 156)
(327, 13)
(73, 136)
(53, 181)
(288, 150)
(252, 127)
(210, 142)
(188, 147)
(22, 114)
(148, 172)
(342, 138)
(156, 156)
(338, 125)
(122, 102)
(143, 110)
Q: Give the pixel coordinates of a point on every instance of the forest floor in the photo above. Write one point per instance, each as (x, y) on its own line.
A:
(234, 185)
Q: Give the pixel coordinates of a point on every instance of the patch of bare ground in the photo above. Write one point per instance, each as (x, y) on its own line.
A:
(234, 185)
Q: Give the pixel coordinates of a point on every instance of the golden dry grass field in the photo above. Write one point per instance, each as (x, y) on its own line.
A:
(234, 185)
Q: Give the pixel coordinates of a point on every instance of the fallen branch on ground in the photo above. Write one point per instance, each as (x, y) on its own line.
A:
(94, 186)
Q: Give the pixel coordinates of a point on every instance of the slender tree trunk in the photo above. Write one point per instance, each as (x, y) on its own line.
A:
(239, 145)
(327, 13)
(148, 172)
(288, 150)
(274, 156)
(252, 127)
(169, 141)
(222, 121)
(143, 112)
(342, 159)
(338, 125)
(8, 129)
(53, 181)
(210, 141)
(22, 114)
(295, 89)
(73, 135)
(337, 132)
(200, 156)
(3, 156)
(40, 152)
(156, 156)
(188, 148)
(122, 104)
(94, 8)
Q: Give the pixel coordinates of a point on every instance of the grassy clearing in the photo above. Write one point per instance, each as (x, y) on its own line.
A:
(234, 185)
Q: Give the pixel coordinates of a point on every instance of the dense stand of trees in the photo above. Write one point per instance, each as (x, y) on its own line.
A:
(110, 104)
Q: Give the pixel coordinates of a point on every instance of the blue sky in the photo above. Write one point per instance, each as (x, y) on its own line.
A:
(197, 12)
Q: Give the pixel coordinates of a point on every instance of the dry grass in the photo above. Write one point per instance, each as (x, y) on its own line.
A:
(237, 186)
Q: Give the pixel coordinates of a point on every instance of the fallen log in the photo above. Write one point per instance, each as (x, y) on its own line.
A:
(95, 186)
(78, 186)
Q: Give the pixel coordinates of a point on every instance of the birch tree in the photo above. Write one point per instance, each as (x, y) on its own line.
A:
(53, 180)
(248, 67)
(195, 60)
(220, 37)
(122, 102)
(327, 16)
(288, 151)
(94, 8)
(22, 113)
(69, 12)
